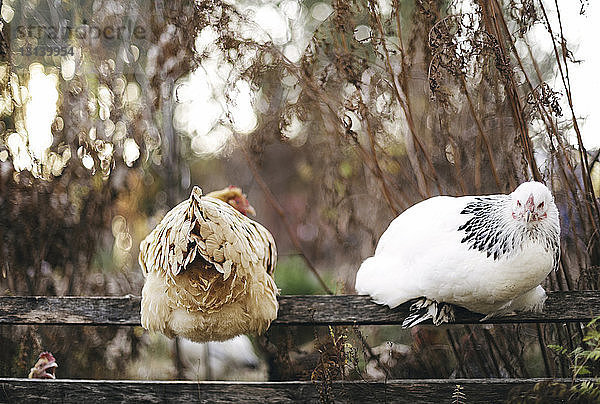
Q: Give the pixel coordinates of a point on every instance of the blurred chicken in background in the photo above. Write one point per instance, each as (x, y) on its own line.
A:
(218, 360)
(44, 368)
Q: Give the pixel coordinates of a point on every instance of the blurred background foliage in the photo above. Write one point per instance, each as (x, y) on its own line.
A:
(333, 117)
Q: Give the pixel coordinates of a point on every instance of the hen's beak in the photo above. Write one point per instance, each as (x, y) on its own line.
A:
(529, 208)
(250, 211)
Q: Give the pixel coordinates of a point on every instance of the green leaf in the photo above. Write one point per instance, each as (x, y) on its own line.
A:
(594, 321)
(583, 370)
(558, 349)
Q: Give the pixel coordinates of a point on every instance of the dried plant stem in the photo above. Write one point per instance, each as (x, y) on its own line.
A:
(404, 82)
(491, 13)
(494, 346)
(412, 139)
(594, 160)
(542, 346)
(478, 354)
(177, 359)
(481, 133)
(279, 209)
(490, 344)
(369, 351)
(587, 180)
(459, 363)
(570, 183)
(320, 96)
(378, 171)
(373, 165)
(578, 252)
(477, 165)
(508, 339)
(564, 369)
(457, 158)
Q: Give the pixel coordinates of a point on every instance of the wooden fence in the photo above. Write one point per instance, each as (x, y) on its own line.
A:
(560, 307)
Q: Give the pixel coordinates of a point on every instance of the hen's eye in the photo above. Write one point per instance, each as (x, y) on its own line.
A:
(541, 205)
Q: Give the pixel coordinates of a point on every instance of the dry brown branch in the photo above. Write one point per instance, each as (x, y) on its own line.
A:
(404, 104)
(491, 13)
(567, 86)
(280, 211)
(482, 134)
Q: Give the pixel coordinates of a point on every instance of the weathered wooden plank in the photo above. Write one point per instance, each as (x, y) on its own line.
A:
(294, 310)
(394, 391)
(70, 310)
(352, 309)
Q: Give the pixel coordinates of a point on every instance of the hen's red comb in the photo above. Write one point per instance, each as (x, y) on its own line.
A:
(48, 356)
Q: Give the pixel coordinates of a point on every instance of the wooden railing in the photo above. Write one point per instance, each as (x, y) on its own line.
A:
(392, 391)
(294, 310)
(560, 307)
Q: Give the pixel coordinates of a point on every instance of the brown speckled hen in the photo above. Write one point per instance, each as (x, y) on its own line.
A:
(209, 270)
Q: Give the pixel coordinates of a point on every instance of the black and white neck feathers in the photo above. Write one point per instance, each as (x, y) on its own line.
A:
(490, 228)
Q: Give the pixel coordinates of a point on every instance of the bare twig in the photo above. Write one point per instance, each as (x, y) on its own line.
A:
(542, 346)
(587, 181)
(378, 171)
(279, 209)
(491, 14)
(405, 105)
(481, 134)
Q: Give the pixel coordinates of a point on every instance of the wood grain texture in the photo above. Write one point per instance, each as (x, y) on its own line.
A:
(294, 310)
(394, 391)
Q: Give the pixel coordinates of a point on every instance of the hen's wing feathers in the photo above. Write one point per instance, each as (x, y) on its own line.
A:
(441, 213)
(268, 252)
(161, 248)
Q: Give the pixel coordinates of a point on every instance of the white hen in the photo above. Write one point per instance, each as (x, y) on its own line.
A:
(488, 254)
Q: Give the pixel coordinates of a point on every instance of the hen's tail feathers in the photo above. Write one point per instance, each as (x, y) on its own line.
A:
(424, 309)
